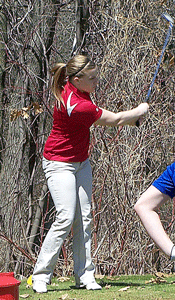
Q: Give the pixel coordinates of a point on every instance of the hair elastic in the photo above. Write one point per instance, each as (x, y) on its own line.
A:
(79, 69)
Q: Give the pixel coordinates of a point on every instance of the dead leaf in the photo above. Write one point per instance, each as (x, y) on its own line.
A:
(54, 284)
(161, 275)
(36, 105)
(24, 114)
(26, 108)
(63, 279)
(24, 296)
(38, 109)
(108, 286)
(155, 280)
(28, 286)
(152, 280)
(124, 289)
(14, 114)
(112, 278)
(99, 276)
(159, 280)
(63, 297)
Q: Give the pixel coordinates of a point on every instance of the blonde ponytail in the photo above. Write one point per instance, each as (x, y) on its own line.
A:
(59, 81)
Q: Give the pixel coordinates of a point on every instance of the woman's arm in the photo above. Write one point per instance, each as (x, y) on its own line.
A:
(146, 208)
(122, 118)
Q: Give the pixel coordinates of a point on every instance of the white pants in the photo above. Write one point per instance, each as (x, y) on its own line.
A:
(70, 185)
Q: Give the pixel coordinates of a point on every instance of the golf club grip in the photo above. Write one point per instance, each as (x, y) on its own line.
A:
(137, 123)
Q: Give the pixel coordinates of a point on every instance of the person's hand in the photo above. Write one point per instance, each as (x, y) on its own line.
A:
(142, 109)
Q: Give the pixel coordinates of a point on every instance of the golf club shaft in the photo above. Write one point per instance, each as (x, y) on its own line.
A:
(158, 65)
(160, 59)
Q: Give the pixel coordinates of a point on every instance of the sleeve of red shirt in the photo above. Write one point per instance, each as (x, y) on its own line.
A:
(86, 113)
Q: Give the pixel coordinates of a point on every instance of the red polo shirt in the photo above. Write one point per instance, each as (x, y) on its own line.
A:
(69, 138)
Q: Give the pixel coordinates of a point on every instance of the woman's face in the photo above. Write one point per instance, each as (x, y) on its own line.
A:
(88, 82)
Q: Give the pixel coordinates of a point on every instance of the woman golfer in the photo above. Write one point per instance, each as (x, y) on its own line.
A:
(161, 190)
(67, 168)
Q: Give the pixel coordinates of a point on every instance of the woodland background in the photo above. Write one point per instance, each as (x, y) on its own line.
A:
(125, 39)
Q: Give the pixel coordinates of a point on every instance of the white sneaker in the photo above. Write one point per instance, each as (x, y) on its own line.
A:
(93, 286)
(40, 286)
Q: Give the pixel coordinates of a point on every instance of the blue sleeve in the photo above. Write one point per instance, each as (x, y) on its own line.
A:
(165, 183)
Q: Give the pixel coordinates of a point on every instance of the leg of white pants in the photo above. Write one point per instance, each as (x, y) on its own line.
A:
(83, 266)
(62, 185)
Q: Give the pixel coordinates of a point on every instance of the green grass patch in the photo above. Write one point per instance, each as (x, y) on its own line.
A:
(152, 287)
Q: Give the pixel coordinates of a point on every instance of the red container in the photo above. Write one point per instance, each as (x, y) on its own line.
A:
(9, 287)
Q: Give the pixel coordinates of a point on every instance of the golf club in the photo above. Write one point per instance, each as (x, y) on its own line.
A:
(171, 21)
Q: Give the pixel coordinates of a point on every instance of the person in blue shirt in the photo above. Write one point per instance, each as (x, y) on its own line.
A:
(161, 190)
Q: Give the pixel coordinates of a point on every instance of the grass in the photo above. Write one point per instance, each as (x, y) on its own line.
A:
(133, 287)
